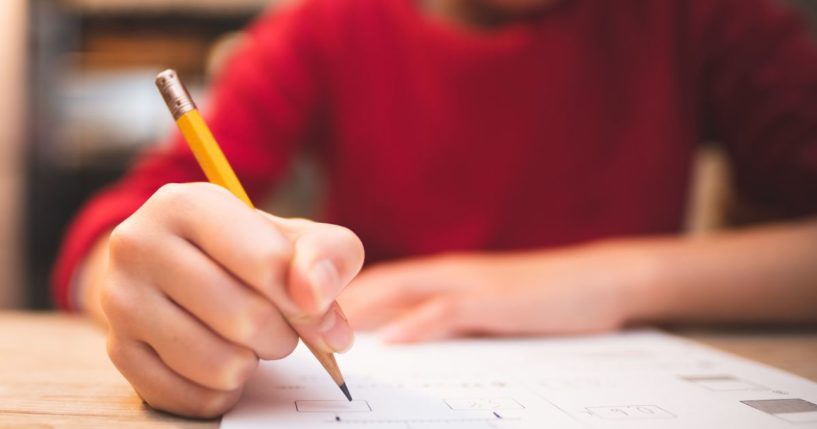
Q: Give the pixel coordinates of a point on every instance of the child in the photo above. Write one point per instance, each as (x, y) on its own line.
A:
(514, 167)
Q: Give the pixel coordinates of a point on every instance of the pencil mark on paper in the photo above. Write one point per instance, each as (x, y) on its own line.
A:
(411, 423)
(333, 407)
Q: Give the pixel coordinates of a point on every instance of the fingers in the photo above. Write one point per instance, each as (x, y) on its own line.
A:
(225, 229)
(222, 302)
(299, 265)
(161, 387)
(331, 333)
(435, 319)
(381, 293)
(185, 345)
(325, 259)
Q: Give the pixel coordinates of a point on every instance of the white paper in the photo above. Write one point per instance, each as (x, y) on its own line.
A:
(641, 379)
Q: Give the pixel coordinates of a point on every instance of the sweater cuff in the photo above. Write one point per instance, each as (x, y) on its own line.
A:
(103, 213)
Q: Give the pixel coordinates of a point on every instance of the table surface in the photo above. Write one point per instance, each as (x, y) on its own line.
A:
(54, 371)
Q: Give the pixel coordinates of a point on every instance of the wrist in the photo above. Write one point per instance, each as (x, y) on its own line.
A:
(636, 280)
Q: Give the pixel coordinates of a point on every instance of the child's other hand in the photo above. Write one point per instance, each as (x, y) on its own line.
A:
(578, 290)
(200, 287)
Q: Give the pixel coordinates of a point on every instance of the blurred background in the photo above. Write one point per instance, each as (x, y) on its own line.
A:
(77, 103)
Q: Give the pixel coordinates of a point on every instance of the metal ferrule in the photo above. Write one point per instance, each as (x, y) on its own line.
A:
(174, 92)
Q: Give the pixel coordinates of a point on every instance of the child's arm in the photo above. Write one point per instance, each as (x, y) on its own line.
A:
(761, 275)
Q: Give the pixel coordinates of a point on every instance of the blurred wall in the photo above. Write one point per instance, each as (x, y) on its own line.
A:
(13, 18)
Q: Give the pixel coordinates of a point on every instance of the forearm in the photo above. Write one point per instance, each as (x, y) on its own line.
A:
(766, 274)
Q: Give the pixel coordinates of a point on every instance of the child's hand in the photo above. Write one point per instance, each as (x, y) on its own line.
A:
(200, 287)
(579, 290)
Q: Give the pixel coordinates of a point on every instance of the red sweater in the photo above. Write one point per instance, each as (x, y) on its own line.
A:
(575, 125)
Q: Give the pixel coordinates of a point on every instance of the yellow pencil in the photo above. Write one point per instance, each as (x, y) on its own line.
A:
(218, 171)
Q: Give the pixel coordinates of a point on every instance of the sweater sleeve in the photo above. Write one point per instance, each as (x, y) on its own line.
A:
(262, 106)
(760, 71)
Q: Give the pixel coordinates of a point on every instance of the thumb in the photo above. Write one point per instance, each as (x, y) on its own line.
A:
(325, 259)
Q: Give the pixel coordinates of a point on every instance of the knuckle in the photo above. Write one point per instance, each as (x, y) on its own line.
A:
(214, 404)
(157, 403)
(123, 242)
(279, 250)
(255, 323)
(192, 192)
(173, 200)
(174, 204)
(301, 222)
(354, 241)
(345, 234)
(116, 351)
(232, 367)
(171, 194)
(116, 303)
(106, 297)
(179, 406)
(204, 404)
(282, 345)
(271, 261)
(288, 342)
(210, 188)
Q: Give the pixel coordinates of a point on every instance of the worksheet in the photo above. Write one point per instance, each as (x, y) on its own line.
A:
(631, 380)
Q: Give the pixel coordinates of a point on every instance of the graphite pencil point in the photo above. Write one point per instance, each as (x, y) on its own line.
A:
(345, 391)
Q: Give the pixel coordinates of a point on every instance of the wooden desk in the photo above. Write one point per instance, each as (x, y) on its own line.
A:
(54, 372)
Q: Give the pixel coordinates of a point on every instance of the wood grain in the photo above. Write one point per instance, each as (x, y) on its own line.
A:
(54, 372)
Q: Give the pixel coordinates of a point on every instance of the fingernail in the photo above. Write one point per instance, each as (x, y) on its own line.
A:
(324, 281)
(335, 332)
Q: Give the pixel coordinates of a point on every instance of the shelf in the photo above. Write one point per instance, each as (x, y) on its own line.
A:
(151, 7)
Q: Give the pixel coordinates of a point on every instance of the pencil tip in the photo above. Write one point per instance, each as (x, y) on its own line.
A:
(345, 391)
